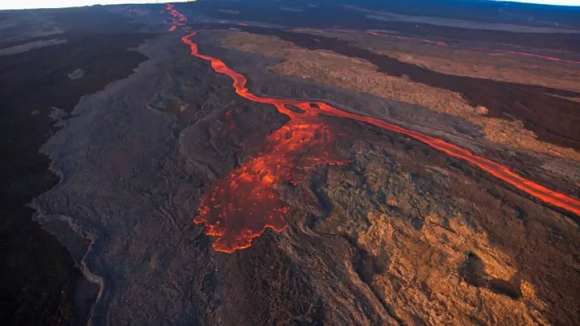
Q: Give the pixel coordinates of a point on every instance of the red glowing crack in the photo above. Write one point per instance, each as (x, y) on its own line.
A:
(241, 205)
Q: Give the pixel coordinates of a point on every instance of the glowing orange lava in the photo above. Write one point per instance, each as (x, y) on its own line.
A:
(177, 18)
(240, 206)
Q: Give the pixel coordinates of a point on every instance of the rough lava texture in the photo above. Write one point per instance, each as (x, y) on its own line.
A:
(397, 233)
(362, 76)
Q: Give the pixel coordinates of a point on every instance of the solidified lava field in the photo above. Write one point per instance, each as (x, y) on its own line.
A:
(243, 163)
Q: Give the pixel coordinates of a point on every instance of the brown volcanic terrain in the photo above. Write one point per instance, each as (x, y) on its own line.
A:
(469, 59)
(380, 228)
(500, 99)
(443, 259)
(362, 76)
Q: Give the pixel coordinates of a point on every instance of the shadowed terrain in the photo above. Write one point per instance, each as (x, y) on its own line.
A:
(220, 171)
(40, 283)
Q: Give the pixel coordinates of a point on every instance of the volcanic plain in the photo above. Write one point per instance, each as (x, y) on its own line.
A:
(204, 164)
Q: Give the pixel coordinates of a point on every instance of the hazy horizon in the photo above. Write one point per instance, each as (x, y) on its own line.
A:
(36, 4)
(545, 2)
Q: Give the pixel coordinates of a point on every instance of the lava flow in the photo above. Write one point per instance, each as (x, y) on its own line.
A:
(177, 18)
(523, 54)
(240, 206)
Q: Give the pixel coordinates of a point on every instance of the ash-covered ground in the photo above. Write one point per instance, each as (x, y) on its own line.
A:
(388, 231)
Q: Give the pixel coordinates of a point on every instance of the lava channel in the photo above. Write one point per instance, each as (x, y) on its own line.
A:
(241, 205)
(177, 18)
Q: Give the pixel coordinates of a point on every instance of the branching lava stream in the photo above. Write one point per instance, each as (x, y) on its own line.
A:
(241, 205)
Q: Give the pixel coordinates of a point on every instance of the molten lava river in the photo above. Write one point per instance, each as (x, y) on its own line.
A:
(241, 205)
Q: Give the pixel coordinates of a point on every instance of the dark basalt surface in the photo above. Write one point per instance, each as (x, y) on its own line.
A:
(325, 16)
(527, 103)
(136, 189)
(41, 284)
(138, 153)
